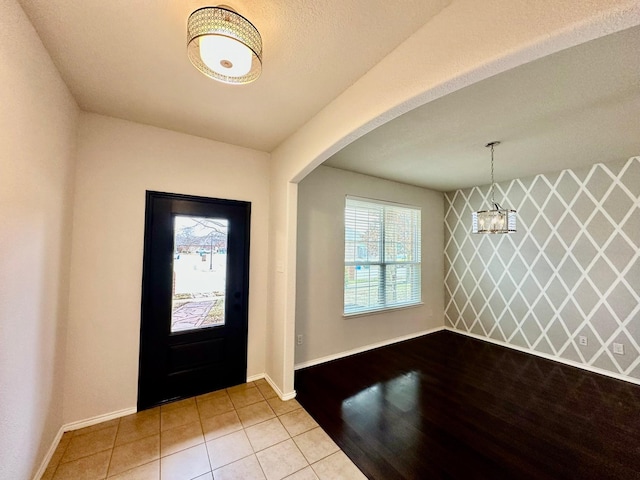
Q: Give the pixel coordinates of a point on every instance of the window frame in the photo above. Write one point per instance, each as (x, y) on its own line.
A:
(382, 263)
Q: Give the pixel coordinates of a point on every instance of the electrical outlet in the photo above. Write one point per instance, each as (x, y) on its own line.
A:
(618, 348)
(299, 341)
(582, 339)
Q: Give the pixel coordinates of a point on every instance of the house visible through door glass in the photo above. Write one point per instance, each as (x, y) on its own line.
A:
(199, 272)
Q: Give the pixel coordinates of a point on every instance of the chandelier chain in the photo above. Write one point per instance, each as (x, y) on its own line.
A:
(493, 201)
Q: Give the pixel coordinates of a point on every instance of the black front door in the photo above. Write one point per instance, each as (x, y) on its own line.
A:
(195, 291)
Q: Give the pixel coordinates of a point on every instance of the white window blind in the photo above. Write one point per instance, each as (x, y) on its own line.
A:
(382, 255)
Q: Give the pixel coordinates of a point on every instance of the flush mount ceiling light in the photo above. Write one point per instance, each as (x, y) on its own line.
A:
(224, 45)
(496, 220)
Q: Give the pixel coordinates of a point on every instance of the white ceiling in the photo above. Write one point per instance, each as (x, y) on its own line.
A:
(127, 59)
(578, 107)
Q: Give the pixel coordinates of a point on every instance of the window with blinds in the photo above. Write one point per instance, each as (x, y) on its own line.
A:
(381, 256)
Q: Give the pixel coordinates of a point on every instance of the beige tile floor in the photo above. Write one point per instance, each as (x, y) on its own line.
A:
(243, 432)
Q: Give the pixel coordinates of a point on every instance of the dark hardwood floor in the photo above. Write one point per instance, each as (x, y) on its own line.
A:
(449, 406)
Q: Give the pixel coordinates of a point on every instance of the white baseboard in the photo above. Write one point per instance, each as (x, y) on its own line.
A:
(98, 419)
(76, 426)
(47, 458)
(348, 353)
(283, 396)
(253, 378)
(128, 411)
(565, 361)
(290, 395)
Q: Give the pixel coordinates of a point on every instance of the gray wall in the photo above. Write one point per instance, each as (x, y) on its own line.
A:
(571, 269)
(320, 265)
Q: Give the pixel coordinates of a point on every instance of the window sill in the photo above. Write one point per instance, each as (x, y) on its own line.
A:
(381, 310)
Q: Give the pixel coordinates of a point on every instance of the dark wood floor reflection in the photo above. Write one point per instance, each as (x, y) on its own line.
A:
(449, 406)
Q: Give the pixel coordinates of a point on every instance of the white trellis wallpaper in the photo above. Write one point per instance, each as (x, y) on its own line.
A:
(572, 269)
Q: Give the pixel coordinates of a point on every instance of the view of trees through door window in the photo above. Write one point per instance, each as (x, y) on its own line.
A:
(199, 272)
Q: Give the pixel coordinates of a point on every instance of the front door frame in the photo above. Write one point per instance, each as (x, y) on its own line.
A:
(147, 379)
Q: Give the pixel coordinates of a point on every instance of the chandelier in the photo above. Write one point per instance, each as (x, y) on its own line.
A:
(224, 45)
(497, 219)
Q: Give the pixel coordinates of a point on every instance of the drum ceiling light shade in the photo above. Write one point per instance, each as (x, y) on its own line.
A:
(496, 220)
(224, 45)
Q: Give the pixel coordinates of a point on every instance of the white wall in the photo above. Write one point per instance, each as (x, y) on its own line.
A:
(117, 162)
(320, 265)
(467, 42)
(38, 120)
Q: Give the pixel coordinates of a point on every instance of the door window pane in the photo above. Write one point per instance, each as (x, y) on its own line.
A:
(199, 272)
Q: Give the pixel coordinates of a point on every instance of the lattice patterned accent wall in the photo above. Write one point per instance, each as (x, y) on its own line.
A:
(572, 268)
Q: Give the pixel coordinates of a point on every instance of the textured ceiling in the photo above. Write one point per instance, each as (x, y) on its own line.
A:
(128, 59)
(575, 108)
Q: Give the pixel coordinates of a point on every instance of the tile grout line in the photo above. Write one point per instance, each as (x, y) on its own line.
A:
(206, 447)
(244, 430)
(74, 435)
(113, 447)
(276, 411)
